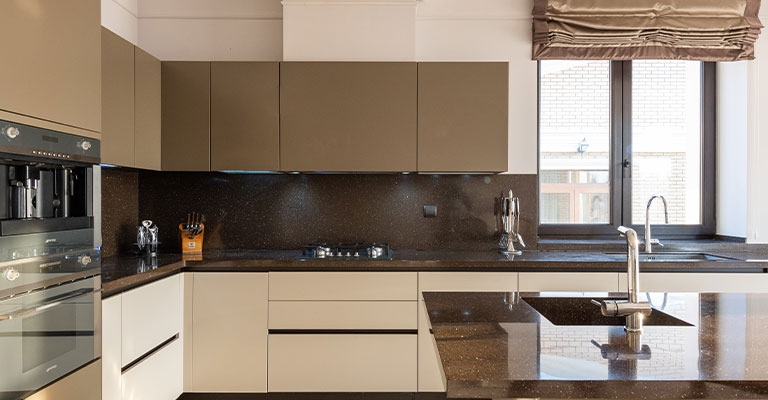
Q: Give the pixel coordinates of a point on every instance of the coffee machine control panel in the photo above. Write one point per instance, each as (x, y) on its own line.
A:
(18, 139)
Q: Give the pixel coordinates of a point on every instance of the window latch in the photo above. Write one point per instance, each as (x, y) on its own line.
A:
(626, 163)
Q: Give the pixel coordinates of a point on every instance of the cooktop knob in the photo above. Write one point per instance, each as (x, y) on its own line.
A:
(85, 145)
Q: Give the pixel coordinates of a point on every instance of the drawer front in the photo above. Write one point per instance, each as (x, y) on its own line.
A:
(342, 315)
(342, 363)
(342, 286)
(151, 315)
(467, 282)
(157, 377)
(699, 283)
(569, 282)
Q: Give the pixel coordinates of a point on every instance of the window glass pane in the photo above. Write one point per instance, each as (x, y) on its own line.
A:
(666, 139)
(574, 129)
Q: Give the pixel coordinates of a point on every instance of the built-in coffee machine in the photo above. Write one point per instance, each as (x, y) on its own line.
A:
(46, 191)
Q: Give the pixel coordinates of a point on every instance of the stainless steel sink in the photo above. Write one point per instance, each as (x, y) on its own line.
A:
(675, 256)
(580, 311)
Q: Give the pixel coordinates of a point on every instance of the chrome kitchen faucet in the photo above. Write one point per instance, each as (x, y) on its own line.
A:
(633, 309)
(649, 241)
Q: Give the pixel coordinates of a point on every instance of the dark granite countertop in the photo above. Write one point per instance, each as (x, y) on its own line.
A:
(120, 273)
(496, 345)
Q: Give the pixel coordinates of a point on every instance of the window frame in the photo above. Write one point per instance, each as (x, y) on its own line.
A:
(620, 179)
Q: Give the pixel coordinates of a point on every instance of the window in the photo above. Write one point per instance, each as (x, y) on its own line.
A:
(612, 134)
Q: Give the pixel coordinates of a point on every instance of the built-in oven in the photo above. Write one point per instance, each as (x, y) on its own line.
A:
(50, 266)
(46, 334)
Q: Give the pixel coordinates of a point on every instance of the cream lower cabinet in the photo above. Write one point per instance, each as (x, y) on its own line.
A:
(568, 281)
(699, 282)
(343, 332)
(430, 375)
(228, 351)
(142, 342)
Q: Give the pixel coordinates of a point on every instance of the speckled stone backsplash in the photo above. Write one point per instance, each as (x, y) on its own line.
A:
(252, 211)
(119, 210)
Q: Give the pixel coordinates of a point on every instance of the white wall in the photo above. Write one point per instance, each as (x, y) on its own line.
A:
(211, 30)
(350, 30)
(489, 30)
(757, 142)
(731, 207)
(120, 16)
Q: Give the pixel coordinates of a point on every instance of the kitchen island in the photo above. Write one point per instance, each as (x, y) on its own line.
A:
(496, 345)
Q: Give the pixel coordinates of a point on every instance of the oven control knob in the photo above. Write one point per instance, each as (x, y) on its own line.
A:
(84, 260)
(85, 145)
(11, 274)
(12, 132)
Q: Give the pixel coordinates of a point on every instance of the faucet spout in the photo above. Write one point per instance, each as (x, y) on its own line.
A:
(649, 241)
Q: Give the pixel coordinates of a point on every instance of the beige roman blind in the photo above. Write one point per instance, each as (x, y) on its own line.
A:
(705, 30)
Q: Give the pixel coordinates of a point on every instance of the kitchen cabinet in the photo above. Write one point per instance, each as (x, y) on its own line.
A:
(142, 342)
(130, 104)
(245, 116)
(117, 102)
(569, 281)
(463, 116)
(147, 111)
(51, 72)
(699, 282)
(343, 332)
(151, 314)
(111, 348)
(338, 286)
(185, 117)
(229, 333)
(348, 116)
(342, 363)
(430, 376)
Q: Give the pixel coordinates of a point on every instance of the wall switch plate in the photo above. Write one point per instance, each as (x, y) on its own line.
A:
(430, 211)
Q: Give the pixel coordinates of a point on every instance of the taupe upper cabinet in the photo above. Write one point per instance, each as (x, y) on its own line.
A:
(117, 111)
(348, 116)
(463, 116)
(245, 116)
(51, 68)
(148, 109)
(186, 90)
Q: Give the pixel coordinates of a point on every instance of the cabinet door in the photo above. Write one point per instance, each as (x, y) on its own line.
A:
(463, 116)
(157, 377)
(117, 101)
(229, 332)
(111, 348)
(151, 315)
(186, 91)
(245, 116)
(337, 116)
(147, 111)
(51, 68)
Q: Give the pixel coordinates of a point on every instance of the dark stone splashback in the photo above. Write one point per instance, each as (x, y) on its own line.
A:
(119, 210)
(252, 211)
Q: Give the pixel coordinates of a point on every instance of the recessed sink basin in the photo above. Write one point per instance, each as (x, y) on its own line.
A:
(676, 256)
(580, 311)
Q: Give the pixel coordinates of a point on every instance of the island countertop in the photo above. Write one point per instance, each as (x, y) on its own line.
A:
(497, 346)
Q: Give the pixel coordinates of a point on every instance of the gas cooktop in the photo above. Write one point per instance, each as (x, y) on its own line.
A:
(348, 251)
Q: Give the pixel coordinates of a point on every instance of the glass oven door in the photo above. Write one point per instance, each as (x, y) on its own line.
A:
(46, 334)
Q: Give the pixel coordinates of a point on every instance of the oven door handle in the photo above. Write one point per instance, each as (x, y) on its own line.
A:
(59, 300)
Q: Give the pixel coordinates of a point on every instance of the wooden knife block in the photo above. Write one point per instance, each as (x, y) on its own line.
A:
(191, 244)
